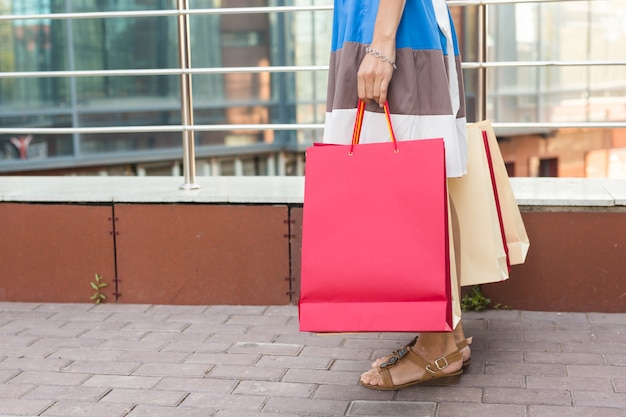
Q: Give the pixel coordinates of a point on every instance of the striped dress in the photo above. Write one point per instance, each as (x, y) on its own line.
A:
(426, 96)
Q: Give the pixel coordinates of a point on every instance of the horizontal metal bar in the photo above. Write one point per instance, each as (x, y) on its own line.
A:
(496, 2)
(233, 10)
(167, 71)
(172, 12)
(280, 69)
(159, 128)
(269, 126)
(516, 64)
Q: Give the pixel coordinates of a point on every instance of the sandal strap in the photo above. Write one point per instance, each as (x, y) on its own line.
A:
(464, 343)
(433, 369)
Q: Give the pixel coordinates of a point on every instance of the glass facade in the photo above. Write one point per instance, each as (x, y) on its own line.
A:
(151, 42)
(563, 30)
(573, 31)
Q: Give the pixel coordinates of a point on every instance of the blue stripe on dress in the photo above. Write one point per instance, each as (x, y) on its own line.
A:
(415, 30)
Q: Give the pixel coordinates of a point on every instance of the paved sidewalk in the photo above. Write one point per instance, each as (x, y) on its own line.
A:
(247, 361)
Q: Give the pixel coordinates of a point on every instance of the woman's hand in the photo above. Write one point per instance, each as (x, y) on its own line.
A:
(375, 74)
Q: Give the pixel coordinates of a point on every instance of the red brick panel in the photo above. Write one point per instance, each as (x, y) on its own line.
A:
(51, 252)
(576, 262)
(202, 254)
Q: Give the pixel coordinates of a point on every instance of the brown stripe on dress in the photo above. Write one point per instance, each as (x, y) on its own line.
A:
(419, 86)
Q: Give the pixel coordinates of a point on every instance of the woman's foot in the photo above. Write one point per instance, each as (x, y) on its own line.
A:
(462, 345)
(415, 365)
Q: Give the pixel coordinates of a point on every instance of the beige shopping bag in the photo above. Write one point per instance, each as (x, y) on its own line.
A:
(516, 237)
(476, 227)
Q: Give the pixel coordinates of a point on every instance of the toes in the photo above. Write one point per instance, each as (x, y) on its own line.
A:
(370, 377)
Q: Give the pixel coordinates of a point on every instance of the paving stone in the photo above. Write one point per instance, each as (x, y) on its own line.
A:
(351, 393)
(569, 383)
(554, 316)
(148, 397)
(598, 348)
(564, 358)
(290, 311)
(20, 407)
(76, 409)
(195, 347)
(101, 367)
(266, 348)
(351, 366)
(615, 359)
(197, 385)
(599, 399)
(165, 337)
(143, 345)
(122, 381)
(212, 401)
(156, 326)
(256, 320)
(230, 413)
(172, 369)
(502, 381)
(14, 391)
(152, 356)
(28, 351)
(321, 376)
(275, 389)
(527, 396)
(246, 373)
(157, 411)
(620, 385)
(39, 364)
(306, 407)
(87, 354)
(448, 409)
(438, 394)
(391, 409)
(66, 393)
(503, 368)
(223, 358)
(593, 371)
(336, 352)
(545, 411)
(517, 346)
(310, 339)
(50, 378)
(533, 335)
(592, 328)
(507, 325)
(614, 318)
(222, 328)
(11, 340)
(247, 338)
(293, 362)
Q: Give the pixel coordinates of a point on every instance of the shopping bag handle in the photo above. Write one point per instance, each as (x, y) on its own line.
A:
(358, 123)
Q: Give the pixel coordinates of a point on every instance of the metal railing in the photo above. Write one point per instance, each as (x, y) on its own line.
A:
(185, 72)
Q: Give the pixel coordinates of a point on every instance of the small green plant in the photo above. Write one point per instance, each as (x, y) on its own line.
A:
(97, 285)
(475, 300)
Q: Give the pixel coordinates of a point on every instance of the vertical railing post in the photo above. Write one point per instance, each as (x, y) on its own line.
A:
(186, 103)
(481, 85)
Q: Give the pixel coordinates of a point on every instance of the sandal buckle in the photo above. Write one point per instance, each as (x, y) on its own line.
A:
(437, 364)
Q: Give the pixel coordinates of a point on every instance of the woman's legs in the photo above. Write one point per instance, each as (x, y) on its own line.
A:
(430, 346)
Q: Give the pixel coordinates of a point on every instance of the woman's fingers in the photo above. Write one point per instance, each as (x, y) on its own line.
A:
(373, 80)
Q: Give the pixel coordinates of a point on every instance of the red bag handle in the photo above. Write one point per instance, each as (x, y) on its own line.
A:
(358, 123)
(495, 195)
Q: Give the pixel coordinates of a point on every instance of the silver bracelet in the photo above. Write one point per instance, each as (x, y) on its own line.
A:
(378, 54)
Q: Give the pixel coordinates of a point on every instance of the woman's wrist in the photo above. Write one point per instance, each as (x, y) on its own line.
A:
(378, 54)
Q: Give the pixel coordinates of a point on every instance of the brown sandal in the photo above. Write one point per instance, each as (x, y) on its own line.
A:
(461, 345)
(434, 374)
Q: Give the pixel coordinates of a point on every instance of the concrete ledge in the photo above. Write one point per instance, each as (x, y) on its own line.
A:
(237, 240)
(545, 192)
